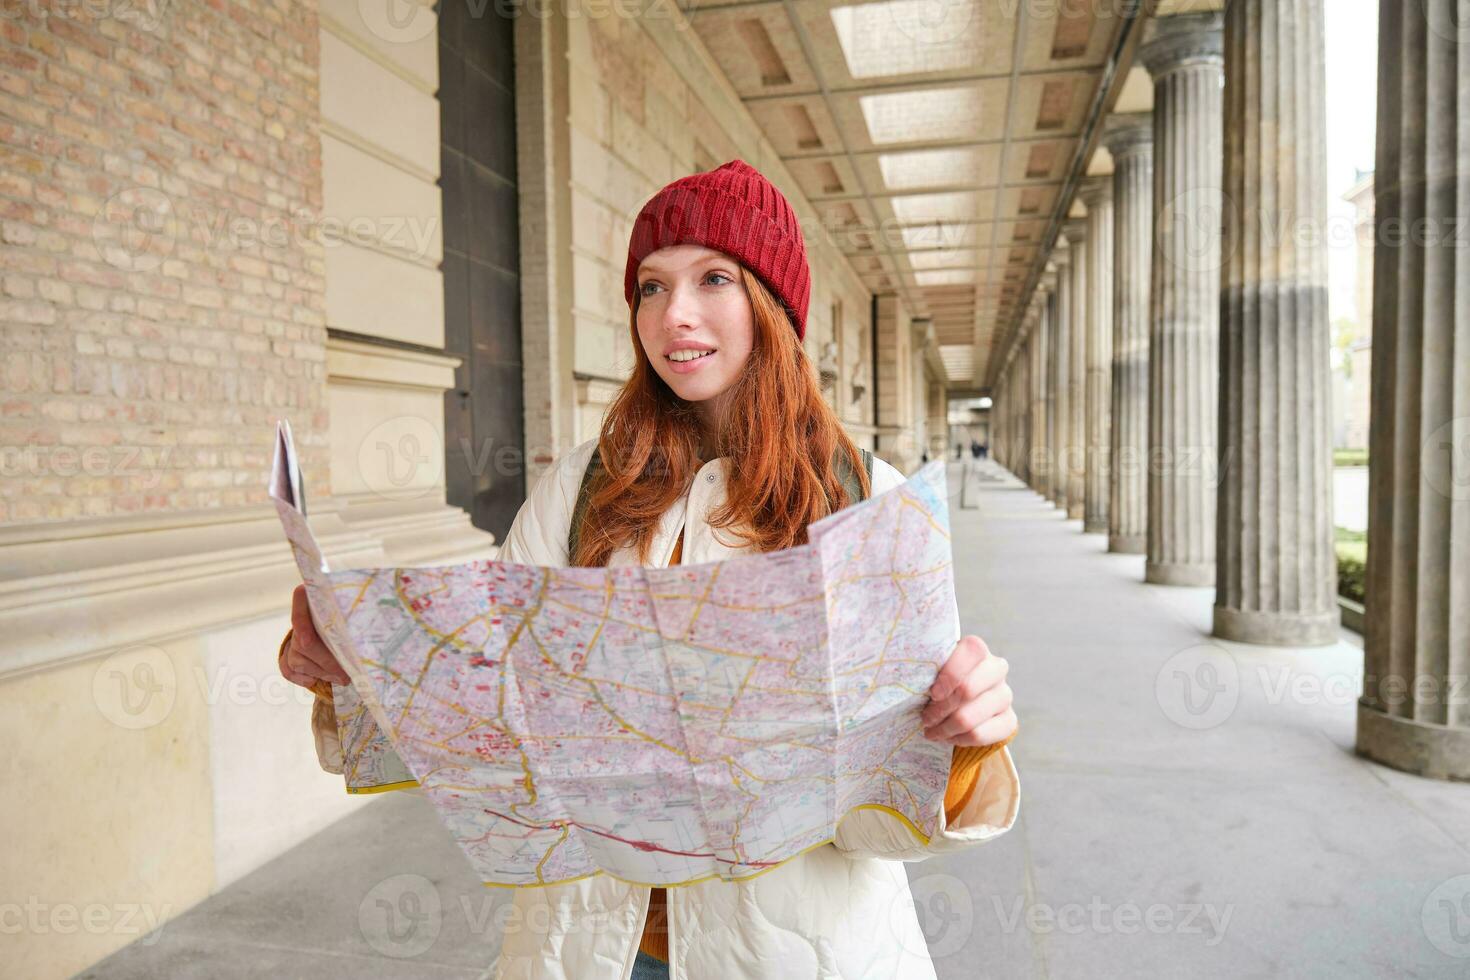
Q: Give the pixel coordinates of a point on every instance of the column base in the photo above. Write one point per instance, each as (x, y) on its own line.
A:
(1094, 527)
(1128, 544)
(1179, 573)
(1435, 751)
(1074, 512)
(1277, 629)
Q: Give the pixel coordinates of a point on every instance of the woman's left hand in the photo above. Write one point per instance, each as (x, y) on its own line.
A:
(970, 701)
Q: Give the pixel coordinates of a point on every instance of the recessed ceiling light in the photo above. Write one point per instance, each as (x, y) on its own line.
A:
(941, 258)
(953, 206)
(902, 37)
(958, 360)
(929, 168)
(938, 234)
(945, 277)
(927, 114)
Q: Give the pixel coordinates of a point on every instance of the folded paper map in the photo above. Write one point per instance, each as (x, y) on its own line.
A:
(662, 725)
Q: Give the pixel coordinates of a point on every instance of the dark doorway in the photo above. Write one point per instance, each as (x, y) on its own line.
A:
(483, 419)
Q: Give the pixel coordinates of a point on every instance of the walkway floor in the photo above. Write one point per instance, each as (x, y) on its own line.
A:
(1190, 807)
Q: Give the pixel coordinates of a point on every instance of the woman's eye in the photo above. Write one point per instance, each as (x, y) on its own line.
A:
(644, 289)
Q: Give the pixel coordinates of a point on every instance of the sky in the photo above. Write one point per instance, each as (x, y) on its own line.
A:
(1352, 78)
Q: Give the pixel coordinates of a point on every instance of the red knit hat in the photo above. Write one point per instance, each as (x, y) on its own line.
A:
(733, 209)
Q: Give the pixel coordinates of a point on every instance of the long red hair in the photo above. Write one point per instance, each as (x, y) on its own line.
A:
(780, 434)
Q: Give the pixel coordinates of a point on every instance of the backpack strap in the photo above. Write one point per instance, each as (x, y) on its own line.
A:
(594, 472)
(849, 477)
(590, 476)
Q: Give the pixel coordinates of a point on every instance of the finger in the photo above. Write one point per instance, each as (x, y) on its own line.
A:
(988, 673)
(971, 715)
(995, 730)
(309, 643)
(968, 716)
(301, 616)
(318, 661)
(968, 652)
(315, 659)
(296, 676)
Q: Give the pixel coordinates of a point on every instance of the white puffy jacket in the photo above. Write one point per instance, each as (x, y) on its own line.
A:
(841, 910)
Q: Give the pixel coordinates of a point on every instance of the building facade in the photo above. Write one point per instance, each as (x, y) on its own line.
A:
(403, 229)
(405, 235)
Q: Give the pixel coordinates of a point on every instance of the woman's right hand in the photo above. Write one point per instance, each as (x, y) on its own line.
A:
(307, 659)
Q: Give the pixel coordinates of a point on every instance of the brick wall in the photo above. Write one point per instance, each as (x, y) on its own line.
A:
(160, 193)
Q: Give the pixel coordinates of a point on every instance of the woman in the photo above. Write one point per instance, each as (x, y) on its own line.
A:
(721, 443)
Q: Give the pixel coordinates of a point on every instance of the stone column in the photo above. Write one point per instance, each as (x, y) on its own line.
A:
(1011, 383)
(1023, 408)
(1275, 568)
(1000, 405)
(1097, 194)
(1130, 139)
(1036, 460)
(1415, 710)
(1010, 411)
(1019, 402)
(1016, 406)
(1036, 452)
(1056, 399)
(1076, 455)
(1184, 56)
(1061, 371)
(997, 418)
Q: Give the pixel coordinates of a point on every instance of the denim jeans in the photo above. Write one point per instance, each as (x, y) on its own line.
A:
(646, 967)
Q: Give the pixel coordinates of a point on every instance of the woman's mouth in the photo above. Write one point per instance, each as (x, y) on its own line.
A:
(684, 361)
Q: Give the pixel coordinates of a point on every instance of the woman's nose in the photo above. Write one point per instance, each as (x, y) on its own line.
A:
(680, 308)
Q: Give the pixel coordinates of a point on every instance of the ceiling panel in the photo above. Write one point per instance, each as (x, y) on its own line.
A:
(897, 40)
(933, 137)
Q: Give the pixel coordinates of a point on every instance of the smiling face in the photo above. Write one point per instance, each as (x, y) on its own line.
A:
(695, 322)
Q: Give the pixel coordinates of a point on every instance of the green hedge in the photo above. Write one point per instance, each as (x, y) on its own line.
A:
(1350, 457)
(1352, 563)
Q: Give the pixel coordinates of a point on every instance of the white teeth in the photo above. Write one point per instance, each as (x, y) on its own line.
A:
(688, 355)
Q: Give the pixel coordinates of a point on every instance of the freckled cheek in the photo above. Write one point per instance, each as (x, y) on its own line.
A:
(646, 337)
